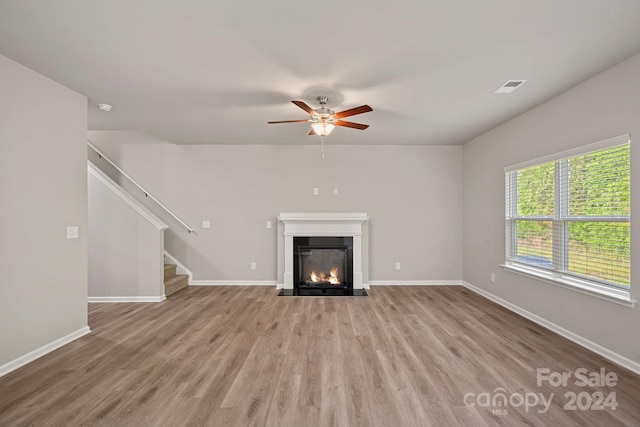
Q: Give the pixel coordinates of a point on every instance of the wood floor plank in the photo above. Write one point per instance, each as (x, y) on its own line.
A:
(285, 401)
(239, 356)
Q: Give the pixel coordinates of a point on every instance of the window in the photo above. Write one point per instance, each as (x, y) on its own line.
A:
(568, 218)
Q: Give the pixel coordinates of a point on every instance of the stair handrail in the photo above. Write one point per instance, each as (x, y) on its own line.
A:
(146, 193)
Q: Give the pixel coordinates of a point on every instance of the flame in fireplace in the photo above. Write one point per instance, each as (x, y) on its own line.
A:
(334, 276)
(322, 277)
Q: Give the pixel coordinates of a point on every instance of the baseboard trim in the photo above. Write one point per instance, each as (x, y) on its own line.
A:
(415, 282)
(364, 285)
(126, 299)
(234, 283)
(45, 349)
(589, 345)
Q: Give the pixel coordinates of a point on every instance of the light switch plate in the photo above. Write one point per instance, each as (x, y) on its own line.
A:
(72, 232)
(316, 191)
(268, 224)
(206, 224)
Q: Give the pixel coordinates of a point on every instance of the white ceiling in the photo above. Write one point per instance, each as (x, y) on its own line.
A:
(215, 71)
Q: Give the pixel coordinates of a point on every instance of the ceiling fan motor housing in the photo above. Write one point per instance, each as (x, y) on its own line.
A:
(324, 115)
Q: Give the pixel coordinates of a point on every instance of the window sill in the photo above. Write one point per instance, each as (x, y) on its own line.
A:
(621, 296)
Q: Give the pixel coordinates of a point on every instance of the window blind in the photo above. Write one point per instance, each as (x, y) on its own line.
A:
(570, 213)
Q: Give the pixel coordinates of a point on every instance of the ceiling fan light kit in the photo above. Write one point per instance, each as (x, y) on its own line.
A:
(323, 120)
(322, 128)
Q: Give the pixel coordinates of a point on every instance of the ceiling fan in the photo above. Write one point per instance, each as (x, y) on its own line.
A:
(323, 120)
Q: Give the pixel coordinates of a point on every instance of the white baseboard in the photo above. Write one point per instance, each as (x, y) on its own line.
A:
(234, 283)
(415, 282)
(39, 352)
(590, 345)
(127, 299)
(364, 285)
(401, 283)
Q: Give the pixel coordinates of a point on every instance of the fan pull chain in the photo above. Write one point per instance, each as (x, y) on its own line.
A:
(322, 145)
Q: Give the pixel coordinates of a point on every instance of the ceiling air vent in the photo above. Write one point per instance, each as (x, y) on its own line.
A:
(510, 86)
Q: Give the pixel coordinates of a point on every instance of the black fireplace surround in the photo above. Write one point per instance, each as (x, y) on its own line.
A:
(323, 266)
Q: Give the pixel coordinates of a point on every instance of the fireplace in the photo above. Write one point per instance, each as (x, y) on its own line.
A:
(323, 241)
(323, 265)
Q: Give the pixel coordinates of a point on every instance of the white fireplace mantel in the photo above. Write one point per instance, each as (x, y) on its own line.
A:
(323, 224)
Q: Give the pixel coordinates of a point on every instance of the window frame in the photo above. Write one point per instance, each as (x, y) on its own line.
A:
(559, 274)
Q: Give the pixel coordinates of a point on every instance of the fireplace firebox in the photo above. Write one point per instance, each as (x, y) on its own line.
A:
(323, 265)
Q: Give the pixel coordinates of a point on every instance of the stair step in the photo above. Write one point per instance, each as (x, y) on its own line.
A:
(169, 270)
(175, 284)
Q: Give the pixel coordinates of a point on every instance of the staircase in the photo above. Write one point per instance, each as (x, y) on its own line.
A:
(174, 282)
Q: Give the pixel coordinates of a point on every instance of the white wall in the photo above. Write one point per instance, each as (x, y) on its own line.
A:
(604, 106)
(126, 245)
(413, 195)
(43, 189)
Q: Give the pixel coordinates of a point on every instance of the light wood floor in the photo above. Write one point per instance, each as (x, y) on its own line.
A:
(235, 356)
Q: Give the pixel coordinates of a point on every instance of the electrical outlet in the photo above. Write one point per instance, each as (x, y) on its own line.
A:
(206, 224)
(397, 266)
(316, 191)
(268, 224)
(493, 277)
(253, 266)
(335, 191)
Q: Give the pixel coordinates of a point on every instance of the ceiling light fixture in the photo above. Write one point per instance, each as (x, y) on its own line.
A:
(105, 107)
(322, 127)
(323, 120)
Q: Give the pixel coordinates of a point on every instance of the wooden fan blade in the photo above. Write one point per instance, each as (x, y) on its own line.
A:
(288, 121)
(305, 107)
(351, 125)
(313, 132)
(353, 111)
